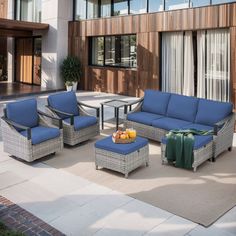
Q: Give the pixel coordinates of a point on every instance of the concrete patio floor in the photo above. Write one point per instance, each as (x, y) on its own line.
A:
(76, 206)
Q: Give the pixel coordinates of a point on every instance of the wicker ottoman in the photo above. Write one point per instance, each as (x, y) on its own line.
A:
(121, 157)
(202, 151)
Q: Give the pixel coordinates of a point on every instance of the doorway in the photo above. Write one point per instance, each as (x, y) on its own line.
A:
(28, 60)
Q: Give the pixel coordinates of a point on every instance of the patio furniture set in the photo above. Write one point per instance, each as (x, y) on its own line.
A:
(30, 134)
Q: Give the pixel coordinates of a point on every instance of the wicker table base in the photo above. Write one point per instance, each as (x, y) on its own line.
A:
(122, 163)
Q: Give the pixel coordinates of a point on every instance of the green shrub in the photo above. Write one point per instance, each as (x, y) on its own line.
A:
(71, 69)
(4, 231)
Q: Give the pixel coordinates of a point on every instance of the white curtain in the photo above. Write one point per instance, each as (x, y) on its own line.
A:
(188, 83)
(201, 63)
(172, 62)
(214, 64)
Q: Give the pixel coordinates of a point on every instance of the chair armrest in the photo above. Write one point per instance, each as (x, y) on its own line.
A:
(218, 125)
(14, 124)
(132, 103)
(54, 118)
(89, 106)
(63, 113)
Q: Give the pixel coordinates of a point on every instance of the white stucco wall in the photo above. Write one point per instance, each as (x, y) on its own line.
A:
(10, 45)
(56, 13)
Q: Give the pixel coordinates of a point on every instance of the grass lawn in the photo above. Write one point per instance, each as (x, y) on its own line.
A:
(4, 231)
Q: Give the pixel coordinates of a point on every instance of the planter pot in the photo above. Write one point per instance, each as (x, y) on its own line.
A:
(74, 86)
(69, 88)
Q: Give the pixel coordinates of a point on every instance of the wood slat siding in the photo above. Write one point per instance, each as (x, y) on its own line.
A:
(3, 8)
(147, 27)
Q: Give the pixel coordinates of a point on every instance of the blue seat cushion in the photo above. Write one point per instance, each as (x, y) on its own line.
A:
(155, 102)
(41, 134)
(198, 127)
(65, 102)
(182, 107)
(168, 123)
(23, 112)
(124, 149)
(81, 122)
(145, 118)
(210, 112)
(199, 140)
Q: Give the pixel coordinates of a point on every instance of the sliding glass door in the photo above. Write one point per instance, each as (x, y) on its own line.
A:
(210, 60)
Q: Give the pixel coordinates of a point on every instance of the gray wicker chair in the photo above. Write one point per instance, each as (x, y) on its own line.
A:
(78, 124)
(27, 134)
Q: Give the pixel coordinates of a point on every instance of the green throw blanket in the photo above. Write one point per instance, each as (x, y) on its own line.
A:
(179, 147)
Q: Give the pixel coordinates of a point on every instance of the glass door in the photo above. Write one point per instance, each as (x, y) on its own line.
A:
(37, 61)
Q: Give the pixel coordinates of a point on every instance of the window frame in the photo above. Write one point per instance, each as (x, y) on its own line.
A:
(90, 52)
(147, 10)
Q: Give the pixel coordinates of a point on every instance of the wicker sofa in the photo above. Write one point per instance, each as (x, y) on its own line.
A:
(158, 112)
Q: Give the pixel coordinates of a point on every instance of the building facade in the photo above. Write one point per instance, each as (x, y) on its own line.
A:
(127, 46)
(181, 46)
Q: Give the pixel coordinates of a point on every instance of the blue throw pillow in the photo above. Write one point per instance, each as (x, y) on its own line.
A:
(182, 107)
(23, 112)
(155, 102)
(65, 102)
(209, 111)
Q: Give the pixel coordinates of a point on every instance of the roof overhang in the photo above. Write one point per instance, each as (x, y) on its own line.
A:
(15, 28)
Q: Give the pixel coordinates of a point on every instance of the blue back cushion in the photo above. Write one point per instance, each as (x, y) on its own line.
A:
(23, 112)
(155, 102)
(209, 112)
(182, 107)
(65, 102)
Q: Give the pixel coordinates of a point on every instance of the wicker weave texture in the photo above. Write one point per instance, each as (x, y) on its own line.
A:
(73, 137)
(199, 156)
(19, 146)
(122, 163)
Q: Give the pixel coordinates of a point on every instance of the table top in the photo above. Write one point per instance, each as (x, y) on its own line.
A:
(115, 103)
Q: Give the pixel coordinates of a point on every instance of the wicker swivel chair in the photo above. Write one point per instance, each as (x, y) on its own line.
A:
(78, 124)
(26, 132)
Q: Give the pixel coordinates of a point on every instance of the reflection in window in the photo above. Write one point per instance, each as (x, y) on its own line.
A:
(80, 9)
(110, 51)
(92, 9)
(98, 51)
(105, 8)
(120, 7)
(199, 3)
(29, 10)
(155, 5)
(119, 51)
(221, 1)
(138, 6)
(176, 4)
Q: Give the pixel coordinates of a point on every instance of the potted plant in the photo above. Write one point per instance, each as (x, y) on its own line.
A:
(71, 72)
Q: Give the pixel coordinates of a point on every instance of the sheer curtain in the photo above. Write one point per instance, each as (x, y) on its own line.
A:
(188, 83)
(178, 63)
(172, 62)
(214, 64)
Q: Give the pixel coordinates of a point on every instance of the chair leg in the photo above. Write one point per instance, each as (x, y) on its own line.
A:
(213, 159)
(195, 169)
(230, 149)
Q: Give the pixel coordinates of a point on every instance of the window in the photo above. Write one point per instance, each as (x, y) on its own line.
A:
(119, 51)
(105, 8)
(120, 7)
(80, 9)
(155, 5)
(98, 51)
(138, 6)
(176, 4)
(28, 10)
(92, 9)
(199, 3)
(221, 2)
